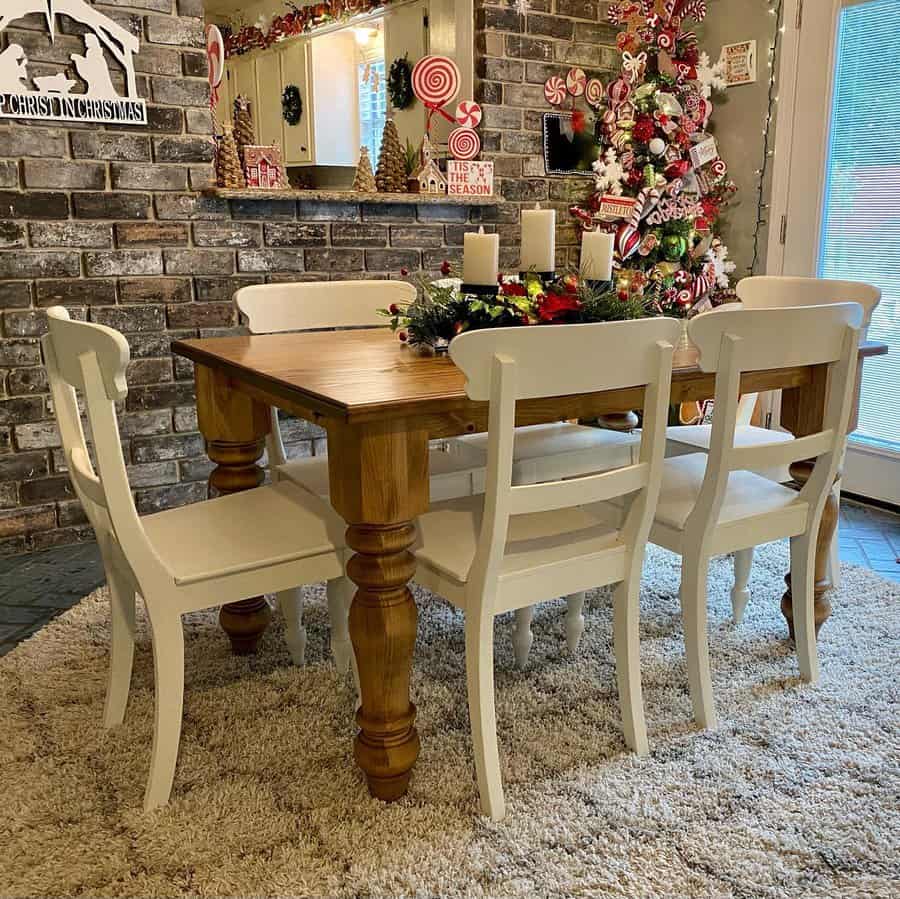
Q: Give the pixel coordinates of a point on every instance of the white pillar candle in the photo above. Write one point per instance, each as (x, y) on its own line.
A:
(596, 256)
(538, 240)
(481, 258)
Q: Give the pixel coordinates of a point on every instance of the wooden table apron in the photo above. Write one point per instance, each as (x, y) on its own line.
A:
(380, 405)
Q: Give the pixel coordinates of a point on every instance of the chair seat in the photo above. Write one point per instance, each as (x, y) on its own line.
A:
(244, 531)
(549, 452)
(448, 536)
(452, 472)
(686, 439)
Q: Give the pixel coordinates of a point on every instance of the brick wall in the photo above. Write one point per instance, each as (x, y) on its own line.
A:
(108, 222)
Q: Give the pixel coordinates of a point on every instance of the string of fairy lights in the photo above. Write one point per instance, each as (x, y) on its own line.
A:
(776, 10)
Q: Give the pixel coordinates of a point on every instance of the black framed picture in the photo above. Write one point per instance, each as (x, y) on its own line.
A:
(567, 152)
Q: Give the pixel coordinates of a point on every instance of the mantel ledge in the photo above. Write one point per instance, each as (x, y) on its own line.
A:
(350, 196)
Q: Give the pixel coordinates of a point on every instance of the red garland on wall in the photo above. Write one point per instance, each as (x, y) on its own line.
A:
(300, 20)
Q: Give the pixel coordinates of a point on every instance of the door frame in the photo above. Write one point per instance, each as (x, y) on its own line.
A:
(804, 111)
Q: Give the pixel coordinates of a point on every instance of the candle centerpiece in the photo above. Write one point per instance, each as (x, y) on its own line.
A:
(538, 250)
(481, 263)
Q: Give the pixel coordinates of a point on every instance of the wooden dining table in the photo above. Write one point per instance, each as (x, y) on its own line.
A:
(380, 404)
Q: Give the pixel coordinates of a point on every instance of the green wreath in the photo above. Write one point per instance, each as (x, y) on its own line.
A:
(291, 104)
(399, 84)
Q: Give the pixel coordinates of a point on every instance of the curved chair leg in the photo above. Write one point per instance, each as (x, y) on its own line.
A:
(626, 640)
(121, 648)
(168, 667)
(803, 562)
(480, 683)
(740, 594)
(340, 593)
(291, 604)
(574, 620)
(696, 641)
(522, 637)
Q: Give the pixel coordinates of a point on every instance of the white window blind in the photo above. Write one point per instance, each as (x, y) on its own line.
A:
(861, 222)
(372, 106)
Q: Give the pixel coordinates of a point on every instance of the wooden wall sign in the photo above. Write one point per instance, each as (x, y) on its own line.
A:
(50, 97)
(470, 178)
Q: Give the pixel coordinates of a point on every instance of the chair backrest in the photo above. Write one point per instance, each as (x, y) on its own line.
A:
(301, 306)
(505, 365)
(91, 360)
(777, 292)
(755, 340)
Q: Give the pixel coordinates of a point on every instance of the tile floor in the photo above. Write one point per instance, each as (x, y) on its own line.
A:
(35, 588)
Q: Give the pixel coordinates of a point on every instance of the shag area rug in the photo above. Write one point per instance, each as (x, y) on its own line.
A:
(795, 794)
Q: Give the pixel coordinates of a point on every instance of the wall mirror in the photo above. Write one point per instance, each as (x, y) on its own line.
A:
(340, 67)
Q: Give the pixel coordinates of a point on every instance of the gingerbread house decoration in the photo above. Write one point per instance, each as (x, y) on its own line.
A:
(263, 168)
(428, 178)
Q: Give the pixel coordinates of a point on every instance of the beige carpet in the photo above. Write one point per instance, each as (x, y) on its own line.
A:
(796, 794)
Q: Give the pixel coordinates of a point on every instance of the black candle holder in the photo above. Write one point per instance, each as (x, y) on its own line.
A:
(479, 290)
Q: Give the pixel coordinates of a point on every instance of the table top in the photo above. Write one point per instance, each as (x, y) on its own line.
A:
(362, 374)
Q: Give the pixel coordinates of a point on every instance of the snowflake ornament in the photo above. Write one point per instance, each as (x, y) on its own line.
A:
(609, 173)
(717, 256)
(711, 75)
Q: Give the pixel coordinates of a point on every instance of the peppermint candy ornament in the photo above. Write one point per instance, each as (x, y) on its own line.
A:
(682, 278)
(718, 168)
(576, 82)
(464, 144)
(468, 114)
(555, 90)
(435, 80)
(666, 40)
(618, 91)
(594, 92)
(685, 298)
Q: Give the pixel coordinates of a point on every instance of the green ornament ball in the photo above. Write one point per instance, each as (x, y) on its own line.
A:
(674, 246)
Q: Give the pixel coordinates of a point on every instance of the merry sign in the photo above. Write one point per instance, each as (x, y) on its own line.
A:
(51, 97)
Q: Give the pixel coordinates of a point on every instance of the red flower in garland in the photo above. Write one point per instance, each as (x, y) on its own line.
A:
(710, 207)
(644, 129)
(557, 307)
(635, 178)
(445, 268)
(512, 289)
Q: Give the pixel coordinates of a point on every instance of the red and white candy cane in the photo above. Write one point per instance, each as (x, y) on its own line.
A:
(464, 144)
(435, 81)
(555, 90)
(576, 82)
(468, 114)
(700, 286)
(594, 92)
(647, 201)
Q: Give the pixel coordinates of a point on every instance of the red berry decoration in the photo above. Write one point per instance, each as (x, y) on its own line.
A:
(644, 129)
(445, 268)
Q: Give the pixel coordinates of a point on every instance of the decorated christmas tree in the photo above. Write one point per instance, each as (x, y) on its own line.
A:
(365, 179)
(244, 134)
(660, 184)
(229, 171)
(391, 174)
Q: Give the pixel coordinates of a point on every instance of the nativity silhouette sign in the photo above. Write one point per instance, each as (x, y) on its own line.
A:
(84, 92)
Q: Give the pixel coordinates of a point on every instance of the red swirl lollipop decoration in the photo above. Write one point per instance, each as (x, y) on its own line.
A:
(594, 92)
(435, 81)
(576, 81)
(468, 114)
(555, 90)
(464, 144)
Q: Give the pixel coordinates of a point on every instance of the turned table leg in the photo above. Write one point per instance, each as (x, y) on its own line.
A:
(235, 428)
(379, 484)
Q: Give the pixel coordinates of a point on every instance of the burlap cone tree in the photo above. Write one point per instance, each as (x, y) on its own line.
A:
(365, 178)
(229, 171)
(244, 133)
(391, 174)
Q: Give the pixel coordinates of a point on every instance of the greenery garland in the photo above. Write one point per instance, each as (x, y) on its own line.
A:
(291, 104)
(399, 84)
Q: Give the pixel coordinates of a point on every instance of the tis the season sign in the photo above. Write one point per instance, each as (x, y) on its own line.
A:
(90, 96)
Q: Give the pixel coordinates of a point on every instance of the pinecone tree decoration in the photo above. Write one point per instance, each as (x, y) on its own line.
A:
(229, 171)
(244, 134)
(365, 179)
(391, 174)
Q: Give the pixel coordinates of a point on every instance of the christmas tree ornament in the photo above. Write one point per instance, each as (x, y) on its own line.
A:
(229, 171)
(674, 246)
(365, 178)
(657, 146)
(628, 239)
(391, 174)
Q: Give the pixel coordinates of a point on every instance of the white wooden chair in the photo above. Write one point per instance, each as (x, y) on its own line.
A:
(518, 545)
(714, 504)
(278, 308)
(182, 560)
(771, 292)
